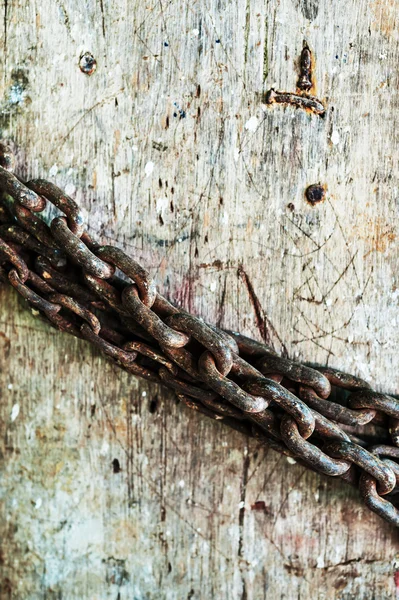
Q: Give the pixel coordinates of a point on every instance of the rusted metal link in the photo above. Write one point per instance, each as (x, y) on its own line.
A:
(224, 408)
(163, 308)
(139, 371)
(229, 390)
(184, 387)
(268, 422)
(227, 339)
(184, 359)
(274, 392)
(151, 322)
(62, 201)
(13, 233)
(310, 454)
(39, 284)
(372, 499)
(335, 411)
(131, 268)
(34, 299)
(343, 380)
(8, 254)
(191, 403)
(29, 221)
(229, 421)
(249, 347)
(145, 350)
(64, 284)
(263, 437)
(104, 290)
(122, 357)
(375, 400)
(295, 372)
(366, 461)
(208, 337)
(326, 429)
(77, 250)
(10, 184)
(384, 450)
(71, 304)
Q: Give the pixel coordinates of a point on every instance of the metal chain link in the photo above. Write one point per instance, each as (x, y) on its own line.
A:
(104, 296)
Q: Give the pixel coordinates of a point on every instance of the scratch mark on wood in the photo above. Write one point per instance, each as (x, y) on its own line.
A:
(265, 52)
(98, 104)
(102, 17)
(265, 326)
(5, 26)
(243, 491)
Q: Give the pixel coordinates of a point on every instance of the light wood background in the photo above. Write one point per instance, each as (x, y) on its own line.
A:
(172, 153)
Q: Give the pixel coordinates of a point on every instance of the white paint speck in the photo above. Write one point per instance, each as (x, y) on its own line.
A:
(104, 448)
(195, 32)
(320, 562)
(135, 148)
(144, 394)
(162, 204)
(236, 154)
(70, 189)
(181, 483)
(252, 124)
(241, 504)
(38, 503)
(148, 169)
(225, 218)
(291, 460)
(335, 137)
(9, 386)
(53, 171)
(14, 412)
(328, 302)
(213, 286)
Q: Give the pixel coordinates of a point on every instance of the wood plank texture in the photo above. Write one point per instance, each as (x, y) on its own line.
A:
(173, 153)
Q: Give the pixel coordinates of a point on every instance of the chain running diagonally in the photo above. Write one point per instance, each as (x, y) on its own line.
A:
(328, 420)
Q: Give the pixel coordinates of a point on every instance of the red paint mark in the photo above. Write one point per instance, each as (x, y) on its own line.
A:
(396, 580)
(259, 505)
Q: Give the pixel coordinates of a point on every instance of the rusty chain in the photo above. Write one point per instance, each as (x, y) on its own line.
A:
(321, 417)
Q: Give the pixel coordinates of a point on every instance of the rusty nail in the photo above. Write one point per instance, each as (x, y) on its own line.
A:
(87, 63)
(315, 193)
(305, 77)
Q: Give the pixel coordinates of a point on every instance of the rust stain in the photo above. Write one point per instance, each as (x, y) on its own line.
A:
(117, 140)
(384, 13)
(377, 234)
(5, 345)
(217, 264)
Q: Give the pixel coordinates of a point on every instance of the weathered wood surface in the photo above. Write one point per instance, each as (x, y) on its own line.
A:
(172, 153)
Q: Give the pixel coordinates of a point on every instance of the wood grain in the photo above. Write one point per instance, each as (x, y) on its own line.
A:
(109, 489)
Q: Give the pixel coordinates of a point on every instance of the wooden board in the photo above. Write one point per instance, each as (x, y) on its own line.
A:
(109, 489)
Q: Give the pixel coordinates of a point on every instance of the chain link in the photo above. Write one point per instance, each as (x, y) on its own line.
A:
(319, 416)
